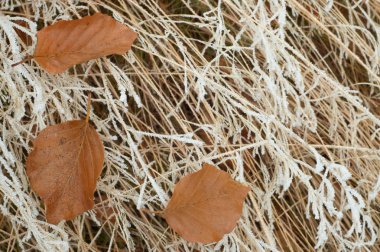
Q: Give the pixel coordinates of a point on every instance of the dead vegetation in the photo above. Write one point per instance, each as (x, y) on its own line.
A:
(283, 95)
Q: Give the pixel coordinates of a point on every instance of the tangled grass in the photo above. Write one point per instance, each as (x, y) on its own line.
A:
(283, 95)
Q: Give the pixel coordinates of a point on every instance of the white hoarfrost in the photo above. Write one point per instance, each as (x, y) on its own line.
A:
(250, 90)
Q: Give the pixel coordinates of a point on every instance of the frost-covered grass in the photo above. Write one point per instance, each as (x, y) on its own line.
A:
(283, 95)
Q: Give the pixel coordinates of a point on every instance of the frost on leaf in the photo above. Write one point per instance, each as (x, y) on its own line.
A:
(67, 43)
(63, 168)
(205, 205)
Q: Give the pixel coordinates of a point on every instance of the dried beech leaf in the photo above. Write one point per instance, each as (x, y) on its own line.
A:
(205, 205)
(67, 43)
(26, 39)
(63, 168)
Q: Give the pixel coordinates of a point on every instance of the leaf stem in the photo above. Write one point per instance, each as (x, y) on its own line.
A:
(28, 57)
(88, 107)
(145, 210)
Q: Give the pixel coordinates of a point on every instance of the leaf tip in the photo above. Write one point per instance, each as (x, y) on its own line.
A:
(88, 107)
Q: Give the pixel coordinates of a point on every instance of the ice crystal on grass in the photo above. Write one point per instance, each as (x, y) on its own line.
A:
(283, 95)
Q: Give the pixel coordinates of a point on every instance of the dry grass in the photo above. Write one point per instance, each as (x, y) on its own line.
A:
(284, 95)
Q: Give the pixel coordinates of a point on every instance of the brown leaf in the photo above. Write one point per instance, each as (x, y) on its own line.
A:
(164, 6)
(205, 205)
(67, 43)
(63, 168)
(23, 36)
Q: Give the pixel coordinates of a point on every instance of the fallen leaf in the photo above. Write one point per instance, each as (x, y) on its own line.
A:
(164, 6)
(23, 36)
(63, 167)
(67, 43)
(205, 205)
